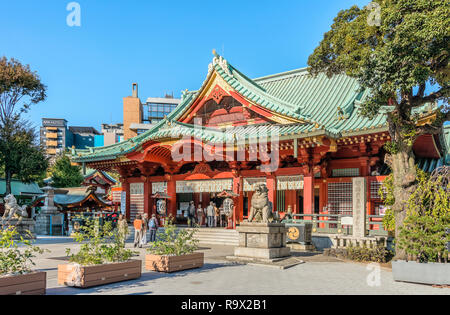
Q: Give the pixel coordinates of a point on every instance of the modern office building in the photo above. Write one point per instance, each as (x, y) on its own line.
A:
(139, 117)
(112, 134)
(56, 137)
(84, 137)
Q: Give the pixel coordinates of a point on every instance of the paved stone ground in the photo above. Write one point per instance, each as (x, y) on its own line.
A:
(318, 275)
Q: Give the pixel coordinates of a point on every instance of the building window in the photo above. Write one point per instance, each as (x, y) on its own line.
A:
(154, 112)
(340, 198)
(346, 172)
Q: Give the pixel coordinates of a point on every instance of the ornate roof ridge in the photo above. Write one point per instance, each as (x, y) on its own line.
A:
(282, 75)
(289, 108)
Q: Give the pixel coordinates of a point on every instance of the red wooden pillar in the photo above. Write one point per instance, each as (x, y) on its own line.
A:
(147, 193)
(196, 198)
(323, 192)
(308, 196)
(206, 199)
(172, 192)
(126, 187)
(250, 196)
(238, 211)
(272, 187)
(291, 200)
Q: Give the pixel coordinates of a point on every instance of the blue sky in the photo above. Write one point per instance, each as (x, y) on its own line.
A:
(164, 46)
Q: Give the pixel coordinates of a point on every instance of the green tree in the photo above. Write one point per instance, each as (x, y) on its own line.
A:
(402, 57)
(423, 235)
(20, 156)
(64, 174)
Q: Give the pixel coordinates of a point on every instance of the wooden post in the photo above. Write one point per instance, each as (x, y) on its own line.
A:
(272, 187)
(239, 206)
(147, 193)
(172, 202)
(308, 196)
(126, 185)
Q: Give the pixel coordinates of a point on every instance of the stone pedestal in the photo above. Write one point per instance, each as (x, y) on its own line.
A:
(25, 227)
(262, 242)
(43, 220)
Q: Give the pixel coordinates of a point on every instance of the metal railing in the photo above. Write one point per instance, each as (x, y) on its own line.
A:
(332, 224)
(375, 226)
(323, 223)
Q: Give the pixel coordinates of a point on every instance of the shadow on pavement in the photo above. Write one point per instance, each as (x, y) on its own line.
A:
(137, 283)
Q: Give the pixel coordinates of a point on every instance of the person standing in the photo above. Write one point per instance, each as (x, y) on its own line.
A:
(122, 229)
(191, 214)
(153, 227)
(137, 231)
(217, 215)
(200, 214)
(210, 213)
(144, 229)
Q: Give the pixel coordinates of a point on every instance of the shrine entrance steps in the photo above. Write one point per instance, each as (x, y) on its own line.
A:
(213, 236)
(217, 236)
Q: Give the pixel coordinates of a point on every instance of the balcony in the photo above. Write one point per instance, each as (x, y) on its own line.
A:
(51, 135)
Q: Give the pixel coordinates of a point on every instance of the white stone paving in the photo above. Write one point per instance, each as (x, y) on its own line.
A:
(219, 277)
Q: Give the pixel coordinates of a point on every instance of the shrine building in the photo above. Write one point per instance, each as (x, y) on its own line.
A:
(300, 135)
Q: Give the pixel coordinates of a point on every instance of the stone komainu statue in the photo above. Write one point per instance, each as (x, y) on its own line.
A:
(13, 210)
(261, 209)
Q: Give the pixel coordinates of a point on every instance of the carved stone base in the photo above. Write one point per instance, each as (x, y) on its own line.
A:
(23, 226)
(265, 241)
(43, 224)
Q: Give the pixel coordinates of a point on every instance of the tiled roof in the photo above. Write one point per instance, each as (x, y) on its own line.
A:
(19, 188)
(321, 105)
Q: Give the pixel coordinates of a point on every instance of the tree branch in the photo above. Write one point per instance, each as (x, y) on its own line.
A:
(417, 100)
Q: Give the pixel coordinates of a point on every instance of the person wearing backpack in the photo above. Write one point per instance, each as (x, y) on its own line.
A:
(153, 227)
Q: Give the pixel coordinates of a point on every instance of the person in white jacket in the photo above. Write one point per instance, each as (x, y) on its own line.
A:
(210, 213)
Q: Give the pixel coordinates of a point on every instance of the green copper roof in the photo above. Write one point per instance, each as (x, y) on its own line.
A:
(330, 102)
(323, 105)
(19, 188)
(90, 172)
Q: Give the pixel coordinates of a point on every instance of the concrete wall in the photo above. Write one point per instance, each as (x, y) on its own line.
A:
(131, 114)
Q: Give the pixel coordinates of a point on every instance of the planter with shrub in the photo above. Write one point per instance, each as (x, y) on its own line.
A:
(377, 254)
(423, 235)
(174, 250)
(16, 274)
(102, 258)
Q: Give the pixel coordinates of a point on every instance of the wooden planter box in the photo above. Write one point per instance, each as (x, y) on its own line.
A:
(174, 263)
(29, 284)
(91, 276)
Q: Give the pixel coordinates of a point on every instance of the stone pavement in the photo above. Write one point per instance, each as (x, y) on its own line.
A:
(318, 275)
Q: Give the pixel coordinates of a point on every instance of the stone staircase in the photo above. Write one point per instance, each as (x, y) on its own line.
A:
(216, 236)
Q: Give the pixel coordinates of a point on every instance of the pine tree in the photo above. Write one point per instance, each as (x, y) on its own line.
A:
(398, 50)
(64, 174)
